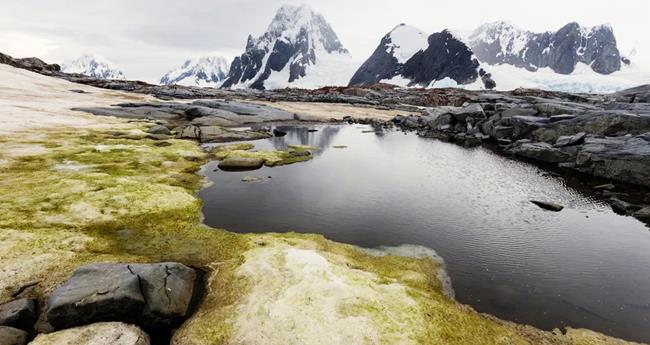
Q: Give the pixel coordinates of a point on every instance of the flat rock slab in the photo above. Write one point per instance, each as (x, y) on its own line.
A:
(151, 293)
(105, 333)
(12, 336)
(20, 313)
(241, 163)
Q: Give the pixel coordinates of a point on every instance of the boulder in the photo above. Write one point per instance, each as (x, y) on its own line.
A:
(570, 140)
(13, 336)
(20, 313)
(548, 205)
(168, 289)
(619, 206)
(100, 292)
(539, 151)
(625, 159)
(241, 163)
(190, 132)
(643, 213)
(158, 129)
(151, 293)
(104, 333)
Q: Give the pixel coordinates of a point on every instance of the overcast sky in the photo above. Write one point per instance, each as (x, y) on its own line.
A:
(146, 38)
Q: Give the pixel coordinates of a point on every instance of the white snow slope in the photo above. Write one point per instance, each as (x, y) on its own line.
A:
(406, 41)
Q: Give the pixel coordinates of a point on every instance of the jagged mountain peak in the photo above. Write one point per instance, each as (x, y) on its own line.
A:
(407, 56)
(203, 71)
(503, 43)
(93, 66)
(299, 48)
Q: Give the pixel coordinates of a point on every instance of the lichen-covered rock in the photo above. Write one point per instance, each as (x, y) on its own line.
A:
(13, 336)
(105, 333)
(20, 313)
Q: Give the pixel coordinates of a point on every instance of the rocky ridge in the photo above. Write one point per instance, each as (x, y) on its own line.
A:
(502, 43)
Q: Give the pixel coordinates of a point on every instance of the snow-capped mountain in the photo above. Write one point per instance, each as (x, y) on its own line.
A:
(93, 66)
(407, 56)
(502, 43)
(299, 49)
(205, 71)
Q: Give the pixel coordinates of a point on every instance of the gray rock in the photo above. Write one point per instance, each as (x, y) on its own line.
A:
(539, 151)
(13, 336)
(168, 289)
(643, 213)
(190, 132)
(619, 206)
(158, 129)
(20, 313)
(570, 140)
(623, 159)
(101, 292)
(548, 205)
(151, 293)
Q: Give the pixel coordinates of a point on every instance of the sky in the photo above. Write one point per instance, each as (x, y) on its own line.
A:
(146, 38)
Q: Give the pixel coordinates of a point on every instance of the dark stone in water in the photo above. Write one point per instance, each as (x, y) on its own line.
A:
(548, 205)
(279, 132)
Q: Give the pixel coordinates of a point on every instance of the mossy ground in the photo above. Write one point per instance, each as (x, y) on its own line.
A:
(74, 196)
(293, 154)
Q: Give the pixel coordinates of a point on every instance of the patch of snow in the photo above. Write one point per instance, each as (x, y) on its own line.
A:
(406, 41)
(583, 79)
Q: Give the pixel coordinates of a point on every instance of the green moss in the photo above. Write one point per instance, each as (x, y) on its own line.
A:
(271, 158)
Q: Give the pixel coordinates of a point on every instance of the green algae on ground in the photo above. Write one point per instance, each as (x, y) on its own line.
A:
(271, 158)
(90, 196)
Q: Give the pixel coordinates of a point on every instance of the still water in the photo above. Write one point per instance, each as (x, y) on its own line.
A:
(582, 267)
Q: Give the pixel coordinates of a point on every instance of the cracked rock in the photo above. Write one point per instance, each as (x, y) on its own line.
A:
(149, 293)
